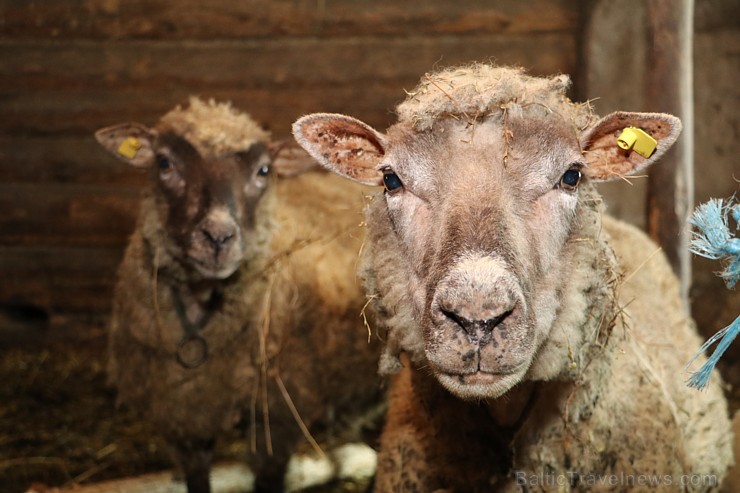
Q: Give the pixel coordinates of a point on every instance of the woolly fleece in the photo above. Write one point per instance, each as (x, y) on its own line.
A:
(479, 90)
(607, 386)
(290, 313)
(215, 128)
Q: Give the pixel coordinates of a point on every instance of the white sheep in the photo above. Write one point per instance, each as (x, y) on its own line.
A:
(538, 345)
(235, 298)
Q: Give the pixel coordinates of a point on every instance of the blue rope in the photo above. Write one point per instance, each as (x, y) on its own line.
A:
(700, 378)
(713, 239)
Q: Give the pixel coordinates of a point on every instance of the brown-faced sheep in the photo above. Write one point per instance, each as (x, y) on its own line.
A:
(236, 296)
(538, 344)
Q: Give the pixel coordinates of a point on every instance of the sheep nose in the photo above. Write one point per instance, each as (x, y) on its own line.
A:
(219, 235)
(477, 330)
(218, 238)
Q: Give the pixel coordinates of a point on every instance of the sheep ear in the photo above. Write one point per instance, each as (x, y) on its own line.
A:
(343, 145)
(624, 143)
(130, 142)
(289, 159)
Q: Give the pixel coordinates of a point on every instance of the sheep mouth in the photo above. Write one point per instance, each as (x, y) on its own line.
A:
(481, 384)
(213, 270)
(213, 262)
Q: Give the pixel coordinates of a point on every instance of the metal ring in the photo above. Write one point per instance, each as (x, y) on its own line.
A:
(193, 343)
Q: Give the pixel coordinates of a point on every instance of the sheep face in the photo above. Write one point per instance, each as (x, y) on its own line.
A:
(479, 217)
(485, 284)
(205, 201)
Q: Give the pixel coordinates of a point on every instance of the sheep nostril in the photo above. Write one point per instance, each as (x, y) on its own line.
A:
(464, 323)
(494, 322)
(218, 239)
(472, 327)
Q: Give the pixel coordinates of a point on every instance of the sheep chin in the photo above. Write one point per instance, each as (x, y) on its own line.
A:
(216, 272)
(220, 267)
(480, 385)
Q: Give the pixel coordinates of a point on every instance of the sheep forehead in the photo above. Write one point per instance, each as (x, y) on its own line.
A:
(412, 154)
(543, 148)
(538, 150)
(205, 182)
(195, 161)
(214, 128)
(478, 90)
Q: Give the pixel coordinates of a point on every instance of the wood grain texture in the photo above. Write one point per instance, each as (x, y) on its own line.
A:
(75, 87)
(69, 68)
(52, 215)
(58, 279)
(64, 160)
(193, 19)
(669, 89)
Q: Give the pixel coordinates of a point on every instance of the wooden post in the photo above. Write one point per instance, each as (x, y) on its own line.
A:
(669, 89)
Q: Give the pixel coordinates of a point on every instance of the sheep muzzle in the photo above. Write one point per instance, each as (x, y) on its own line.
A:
(478, 335)
(216, 248)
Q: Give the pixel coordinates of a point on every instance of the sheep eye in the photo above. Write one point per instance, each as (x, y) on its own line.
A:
(391, 181)
(163, 163)
(263, 171)
(570, 179)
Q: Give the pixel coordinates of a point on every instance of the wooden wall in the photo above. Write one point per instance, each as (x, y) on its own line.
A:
(617, 77)
(69, 67)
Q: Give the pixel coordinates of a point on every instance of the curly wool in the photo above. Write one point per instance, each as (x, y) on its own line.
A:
(215, 128)
(479, 90)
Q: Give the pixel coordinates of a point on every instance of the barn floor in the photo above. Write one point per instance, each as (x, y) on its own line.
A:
(58, 424)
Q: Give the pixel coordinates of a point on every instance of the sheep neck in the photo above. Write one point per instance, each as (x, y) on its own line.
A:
(194, 300)
(195, 305)
(194, 309)
(512, 409)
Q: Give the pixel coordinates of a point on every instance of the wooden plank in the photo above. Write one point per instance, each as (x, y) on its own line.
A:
(76, 87)
(64, 160)
(192, 19)
(66, 215)
(68, 68)
(56, 113)
(94, 298)
(58, 279)
(716, 15)
(38, 65)
(669, 89)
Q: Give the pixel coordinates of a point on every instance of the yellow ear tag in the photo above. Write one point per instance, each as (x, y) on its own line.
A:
(636, 139)
(129, 147)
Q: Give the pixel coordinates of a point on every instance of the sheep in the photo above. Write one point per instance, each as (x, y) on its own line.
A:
(235, 299)
(535, 343)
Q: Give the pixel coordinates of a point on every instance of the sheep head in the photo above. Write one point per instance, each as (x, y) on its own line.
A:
(483, 176)
(209, 166)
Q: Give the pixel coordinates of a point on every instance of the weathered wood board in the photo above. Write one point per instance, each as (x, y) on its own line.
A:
(68, 68)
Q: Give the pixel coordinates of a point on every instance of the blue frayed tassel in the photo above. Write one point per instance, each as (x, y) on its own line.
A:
(713, 239)
(700, 378)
